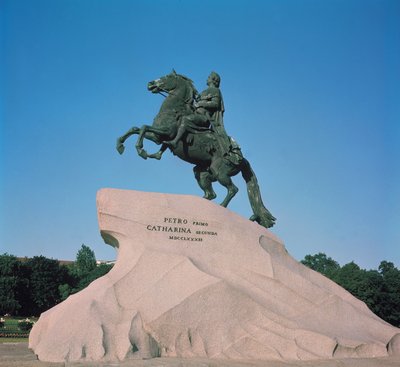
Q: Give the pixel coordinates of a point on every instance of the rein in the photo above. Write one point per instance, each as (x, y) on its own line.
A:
(161, 92)
(171, 93)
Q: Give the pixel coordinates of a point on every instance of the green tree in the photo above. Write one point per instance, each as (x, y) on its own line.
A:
(370, 290)
(385, 267)
(321, 263)
(65, 290)
(84, 271)
(9, 272)
(85, 261)
(366, 285)
(33, 286)
(349, 277)
(389, 298)
(380, 290)
(45, 277)
(23, 290)
(98, 272)
(71, 281)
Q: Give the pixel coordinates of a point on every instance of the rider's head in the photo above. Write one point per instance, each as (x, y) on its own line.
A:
(214, 78)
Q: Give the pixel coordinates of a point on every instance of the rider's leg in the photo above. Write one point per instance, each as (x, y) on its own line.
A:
(189, 123)
(181, 130)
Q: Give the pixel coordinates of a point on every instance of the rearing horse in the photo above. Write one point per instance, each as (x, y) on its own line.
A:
(200, 148)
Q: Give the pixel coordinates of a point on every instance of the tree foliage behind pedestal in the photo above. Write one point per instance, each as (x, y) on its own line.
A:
(9, 282)
(85, 261)
(30, 286)
(389, 302)
(321, 263)
(379, 289)
(45, 277)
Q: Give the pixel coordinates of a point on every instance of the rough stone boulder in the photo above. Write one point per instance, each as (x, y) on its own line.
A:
(193, 279)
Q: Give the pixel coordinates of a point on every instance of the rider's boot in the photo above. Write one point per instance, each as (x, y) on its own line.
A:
(174, 142)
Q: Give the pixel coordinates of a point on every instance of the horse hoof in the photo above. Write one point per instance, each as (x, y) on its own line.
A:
(156, 156)
(142, 153)
(210, 196)
(120, 148)
(253, 218)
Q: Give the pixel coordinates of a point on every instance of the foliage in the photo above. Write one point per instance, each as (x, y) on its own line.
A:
(37, 284)
(379, 289)
(65, 291)
(389, 301)
(321, 263)
(84, 271)
(46, 275)
(98, 272)
(15, 329)
(9, 281)
(23, 290)
(85, 261)
(25, 325)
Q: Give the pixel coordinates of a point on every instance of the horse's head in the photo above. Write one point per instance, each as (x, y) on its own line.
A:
(181, 86)
(166, 83)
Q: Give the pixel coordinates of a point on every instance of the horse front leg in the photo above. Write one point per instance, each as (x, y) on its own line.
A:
(121, 140)
(155, 134)
(159, 154)
(139, 143)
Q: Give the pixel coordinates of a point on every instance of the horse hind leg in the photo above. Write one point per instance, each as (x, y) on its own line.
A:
(223, 177)
(232, 189)
(204, 179)
(261, 214)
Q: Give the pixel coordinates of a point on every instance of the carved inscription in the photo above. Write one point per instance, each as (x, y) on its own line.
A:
(183, 229)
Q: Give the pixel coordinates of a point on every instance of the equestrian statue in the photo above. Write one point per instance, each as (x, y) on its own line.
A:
(191, 126)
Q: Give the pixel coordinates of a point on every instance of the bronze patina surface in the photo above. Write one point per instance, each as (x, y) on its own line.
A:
(191, 126)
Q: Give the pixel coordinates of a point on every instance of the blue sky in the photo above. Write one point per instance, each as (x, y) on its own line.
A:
(311, 91)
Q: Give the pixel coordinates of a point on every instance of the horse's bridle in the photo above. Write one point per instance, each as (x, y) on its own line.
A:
(171, 93)
(160, 90)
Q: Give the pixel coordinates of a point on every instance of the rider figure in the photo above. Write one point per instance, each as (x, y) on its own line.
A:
(209, 110)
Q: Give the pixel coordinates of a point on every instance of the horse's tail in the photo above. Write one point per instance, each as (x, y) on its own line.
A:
(260, 213)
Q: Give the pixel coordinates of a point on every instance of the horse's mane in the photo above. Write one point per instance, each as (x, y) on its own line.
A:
(191, 84)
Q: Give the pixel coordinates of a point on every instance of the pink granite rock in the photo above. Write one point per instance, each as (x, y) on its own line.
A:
(193, 279)
(394, 345)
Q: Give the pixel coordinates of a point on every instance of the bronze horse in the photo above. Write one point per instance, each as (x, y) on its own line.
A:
(200, 148)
